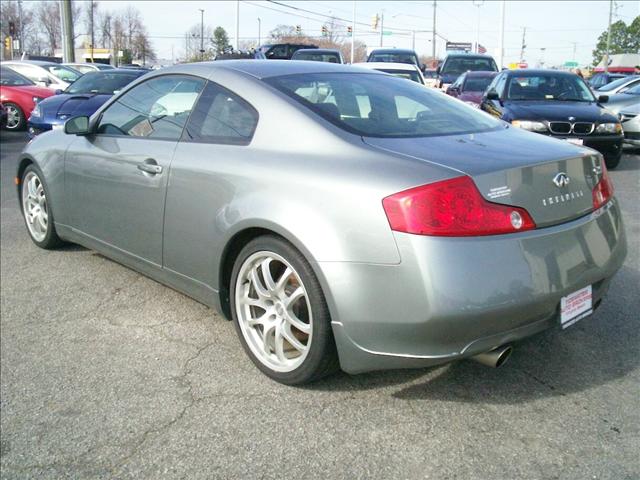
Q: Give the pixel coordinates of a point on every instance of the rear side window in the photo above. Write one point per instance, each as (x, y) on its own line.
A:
(221, 116)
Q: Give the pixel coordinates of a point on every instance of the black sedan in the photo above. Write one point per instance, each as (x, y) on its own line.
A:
(558, 104)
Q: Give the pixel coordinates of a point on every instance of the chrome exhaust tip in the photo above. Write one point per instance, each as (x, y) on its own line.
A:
(494, 358)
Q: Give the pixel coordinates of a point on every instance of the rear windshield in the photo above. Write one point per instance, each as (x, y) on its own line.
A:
(408, 74)
(393, 58)
(102, 82)
(376, 105)
(458, 65)
(317, 57)
(13, 79)
(477, 84)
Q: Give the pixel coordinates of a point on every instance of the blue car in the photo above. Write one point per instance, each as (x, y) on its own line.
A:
(82, 97)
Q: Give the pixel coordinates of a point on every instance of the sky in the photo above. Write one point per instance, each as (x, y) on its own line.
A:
(554, 29)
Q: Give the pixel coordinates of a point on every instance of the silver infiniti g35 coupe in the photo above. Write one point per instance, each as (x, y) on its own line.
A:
(340, 217)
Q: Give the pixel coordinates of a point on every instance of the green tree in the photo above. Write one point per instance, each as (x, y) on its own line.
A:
(220, 40)
(624, 39)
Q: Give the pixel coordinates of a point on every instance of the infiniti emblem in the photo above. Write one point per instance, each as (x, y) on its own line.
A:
(561, 180)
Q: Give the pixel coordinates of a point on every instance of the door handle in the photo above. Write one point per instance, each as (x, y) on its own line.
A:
(151, 168)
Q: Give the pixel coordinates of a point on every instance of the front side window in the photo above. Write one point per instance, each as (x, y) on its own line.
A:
(31, 72)
(157, 108)
(382, 106)
(220, 116)
(548, 87)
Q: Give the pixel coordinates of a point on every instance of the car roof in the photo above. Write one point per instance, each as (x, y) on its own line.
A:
(532, 72)
(39, 63)
(266, 68)
(393, 50)
(467, 55)
(388, 65)
(481, 73)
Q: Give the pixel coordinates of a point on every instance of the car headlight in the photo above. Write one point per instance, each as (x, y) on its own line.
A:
(529, 125)
(609, 128)
(36, 111)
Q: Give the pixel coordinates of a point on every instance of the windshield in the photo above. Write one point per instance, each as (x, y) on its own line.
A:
(408, 74)
(477, 84)
(615, 84)
(382, 106)
(102, 82)
(317, 57)
(458, 65)
(430, 74)
(548, 87)
(65, 74)
(393, 58)
(11, 78)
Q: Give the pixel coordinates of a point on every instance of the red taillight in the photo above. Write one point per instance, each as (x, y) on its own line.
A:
(452, 208)
(603, 191)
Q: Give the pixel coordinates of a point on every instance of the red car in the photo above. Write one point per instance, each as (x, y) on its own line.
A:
(19, 95)
(470, 86)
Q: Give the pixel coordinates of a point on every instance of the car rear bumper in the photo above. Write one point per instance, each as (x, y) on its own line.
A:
(451, 298)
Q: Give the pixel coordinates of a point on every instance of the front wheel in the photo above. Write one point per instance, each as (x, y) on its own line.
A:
(35, 210)
(280, 313)
(16, 119)
(612, 159)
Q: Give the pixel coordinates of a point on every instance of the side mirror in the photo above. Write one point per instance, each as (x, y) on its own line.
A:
(77, 126)
(45, 80)
(58, 92)
(493, 95)
(603, 98)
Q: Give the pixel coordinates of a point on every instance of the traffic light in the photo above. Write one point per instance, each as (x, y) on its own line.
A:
(374, 21)
(298, 29)
(349, 31)
(7, 43)
(12, 28)
(324, 31)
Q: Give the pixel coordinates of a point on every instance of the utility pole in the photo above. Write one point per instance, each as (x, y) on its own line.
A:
(606, 54)
(67, 32)
(524, 32)
(201, 34)
(353, 31)
(413, 40)
(21, 29)
(433, 38)
(92, 33)
(237, 25)
(381, 27)
(502, 16)
(478, 4)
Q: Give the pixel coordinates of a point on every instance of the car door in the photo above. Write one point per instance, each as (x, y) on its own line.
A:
(116, 178)
(216, 141)
(495, 107)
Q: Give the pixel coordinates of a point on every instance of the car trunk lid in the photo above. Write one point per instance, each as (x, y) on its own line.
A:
(551, 179)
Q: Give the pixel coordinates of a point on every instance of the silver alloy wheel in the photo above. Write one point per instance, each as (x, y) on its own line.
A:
(273, 310)
(34, 206)
(13, 117)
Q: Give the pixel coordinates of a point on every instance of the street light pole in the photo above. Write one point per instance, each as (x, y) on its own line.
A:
(606, 54)
(201, 34)
(502, 16)
(238, 25)
(21, 29)
(381, 27)
(353, 31)
(478, 4)
(259, 26)
(433, 38)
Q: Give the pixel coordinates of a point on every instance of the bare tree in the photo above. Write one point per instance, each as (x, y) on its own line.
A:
(47, 15)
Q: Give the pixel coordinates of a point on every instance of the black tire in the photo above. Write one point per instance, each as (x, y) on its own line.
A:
(322, 358)
(612, 159)
(51, 239)
(22, 119)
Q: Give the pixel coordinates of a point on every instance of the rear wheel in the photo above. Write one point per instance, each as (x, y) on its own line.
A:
(35, 210)
(280, 312)
(612, 158)
(16, 119)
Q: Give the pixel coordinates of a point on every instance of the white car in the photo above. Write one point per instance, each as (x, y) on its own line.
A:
(402, 70)
(45, 74)
(88, 67)
(620, 85)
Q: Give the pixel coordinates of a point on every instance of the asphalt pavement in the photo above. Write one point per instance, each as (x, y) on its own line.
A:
(108, 374)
